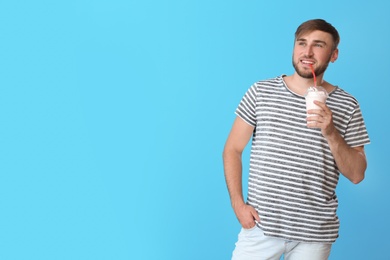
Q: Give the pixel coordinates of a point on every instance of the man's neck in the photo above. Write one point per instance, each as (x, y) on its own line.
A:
(299, 85)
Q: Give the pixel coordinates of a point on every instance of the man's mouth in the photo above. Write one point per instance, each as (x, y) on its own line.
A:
(307, 62)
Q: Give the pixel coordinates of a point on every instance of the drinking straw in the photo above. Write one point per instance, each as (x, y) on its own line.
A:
(314, 75)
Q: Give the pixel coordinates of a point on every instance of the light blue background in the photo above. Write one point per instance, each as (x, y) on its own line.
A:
(114, 115)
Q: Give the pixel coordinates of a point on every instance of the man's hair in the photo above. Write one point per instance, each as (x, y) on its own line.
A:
(320, 25)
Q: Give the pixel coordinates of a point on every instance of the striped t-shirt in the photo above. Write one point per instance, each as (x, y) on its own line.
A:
(292, 173)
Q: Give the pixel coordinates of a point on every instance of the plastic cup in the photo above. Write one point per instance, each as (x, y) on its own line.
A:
(315, 93)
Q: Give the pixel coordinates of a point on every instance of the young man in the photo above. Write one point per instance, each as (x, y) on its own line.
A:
(296, 156)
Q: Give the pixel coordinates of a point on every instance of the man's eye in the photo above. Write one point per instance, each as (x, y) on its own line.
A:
(319, 45)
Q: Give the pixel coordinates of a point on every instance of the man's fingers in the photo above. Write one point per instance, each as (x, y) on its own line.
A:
(255, 215)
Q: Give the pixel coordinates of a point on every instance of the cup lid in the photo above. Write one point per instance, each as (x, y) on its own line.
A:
(318, 89)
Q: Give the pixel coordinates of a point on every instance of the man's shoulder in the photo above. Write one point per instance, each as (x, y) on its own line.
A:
(269, 82)
(276, 80)
(343, 96)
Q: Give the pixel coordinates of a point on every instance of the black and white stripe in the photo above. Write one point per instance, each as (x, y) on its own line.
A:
(293, 175)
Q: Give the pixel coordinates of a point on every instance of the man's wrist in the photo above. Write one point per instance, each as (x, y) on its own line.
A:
(334, 136)
(237, 203)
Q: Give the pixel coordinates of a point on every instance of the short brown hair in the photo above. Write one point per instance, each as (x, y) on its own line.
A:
(320, 25)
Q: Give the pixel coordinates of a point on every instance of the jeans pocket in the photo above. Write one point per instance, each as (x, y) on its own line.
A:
(249, 229)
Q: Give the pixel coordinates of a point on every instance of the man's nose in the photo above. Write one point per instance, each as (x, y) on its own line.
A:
(309, 51)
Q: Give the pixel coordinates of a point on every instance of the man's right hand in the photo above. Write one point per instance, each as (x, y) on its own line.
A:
(246, 215)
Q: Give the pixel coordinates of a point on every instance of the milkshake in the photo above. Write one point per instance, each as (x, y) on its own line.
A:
(315, 93)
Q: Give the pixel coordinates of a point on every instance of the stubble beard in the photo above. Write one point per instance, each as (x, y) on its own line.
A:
(307, 74)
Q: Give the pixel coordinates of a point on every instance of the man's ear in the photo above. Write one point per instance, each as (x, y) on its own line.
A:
(334, 56)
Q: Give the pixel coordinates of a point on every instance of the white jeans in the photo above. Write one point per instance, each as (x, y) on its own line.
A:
(252, 244)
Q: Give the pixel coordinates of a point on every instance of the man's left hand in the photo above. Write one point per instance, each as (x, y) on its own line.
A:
(321, 118)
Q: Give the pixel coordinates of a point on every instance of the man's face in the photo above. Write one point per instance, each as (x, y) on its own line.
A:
(315, 48)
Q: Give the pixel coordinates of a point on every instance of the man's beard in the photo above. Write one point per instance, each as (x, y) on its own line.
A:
(307, 74)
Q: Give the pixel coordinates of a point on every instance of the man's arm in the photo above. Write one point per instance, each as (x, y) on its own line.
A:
(239, 137)
(351, 161)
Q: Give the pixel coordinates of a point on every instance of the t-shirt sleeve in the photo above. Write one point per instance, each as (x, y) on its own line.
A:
(246, 109)
(356, 133)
